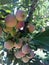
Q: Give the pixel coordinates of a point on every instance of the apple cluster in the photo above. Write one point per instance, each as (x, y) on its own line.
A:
(21, 51)
(14, 23)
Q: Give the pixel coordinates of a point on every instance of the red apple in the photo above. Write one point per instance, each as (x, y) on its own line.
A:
(8, 45)
(19, 54)
(19, 25)
(25, 49)
(20, 15)
(31, 27)
(31, 54)
(19, 44)
(25, 59)
(10, 20)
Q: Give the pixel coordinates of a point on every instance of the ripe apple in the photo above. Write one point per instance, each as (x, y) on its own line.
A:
(0, 31)
(31, 54)
(25, 49)
(25, 59)
(31, 27)
(19, 44)
(20, 15)
(20, 25)
(10, 20)
(19, 54)
(8, 45)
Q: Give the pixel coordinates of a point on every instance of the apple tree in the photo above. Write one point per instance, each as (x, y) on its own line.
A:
(24, 32)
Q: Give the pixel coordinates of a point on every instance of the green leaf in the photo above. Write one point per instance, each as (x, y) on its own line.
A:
(42, 39)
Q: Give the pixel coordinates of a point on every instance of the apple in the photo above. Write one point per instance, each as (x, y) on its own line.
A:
(25, 59)
(10, 20)
(19, 44)
(31, 27)
(25, 49)
(0, 31)
(19, 54)
(8, 45)
(19, 25)
(31, 55)
(20, 15)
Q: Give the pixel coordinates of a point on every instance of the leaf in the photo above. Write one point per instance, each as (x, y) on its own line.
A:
(42, 39)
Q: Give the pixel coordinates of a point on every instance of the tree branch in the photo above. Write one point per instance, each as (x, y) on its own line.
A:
(32, 9)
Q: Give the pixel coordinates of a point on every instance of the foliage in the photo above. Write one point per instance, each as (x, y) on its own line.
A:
(39, 16)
